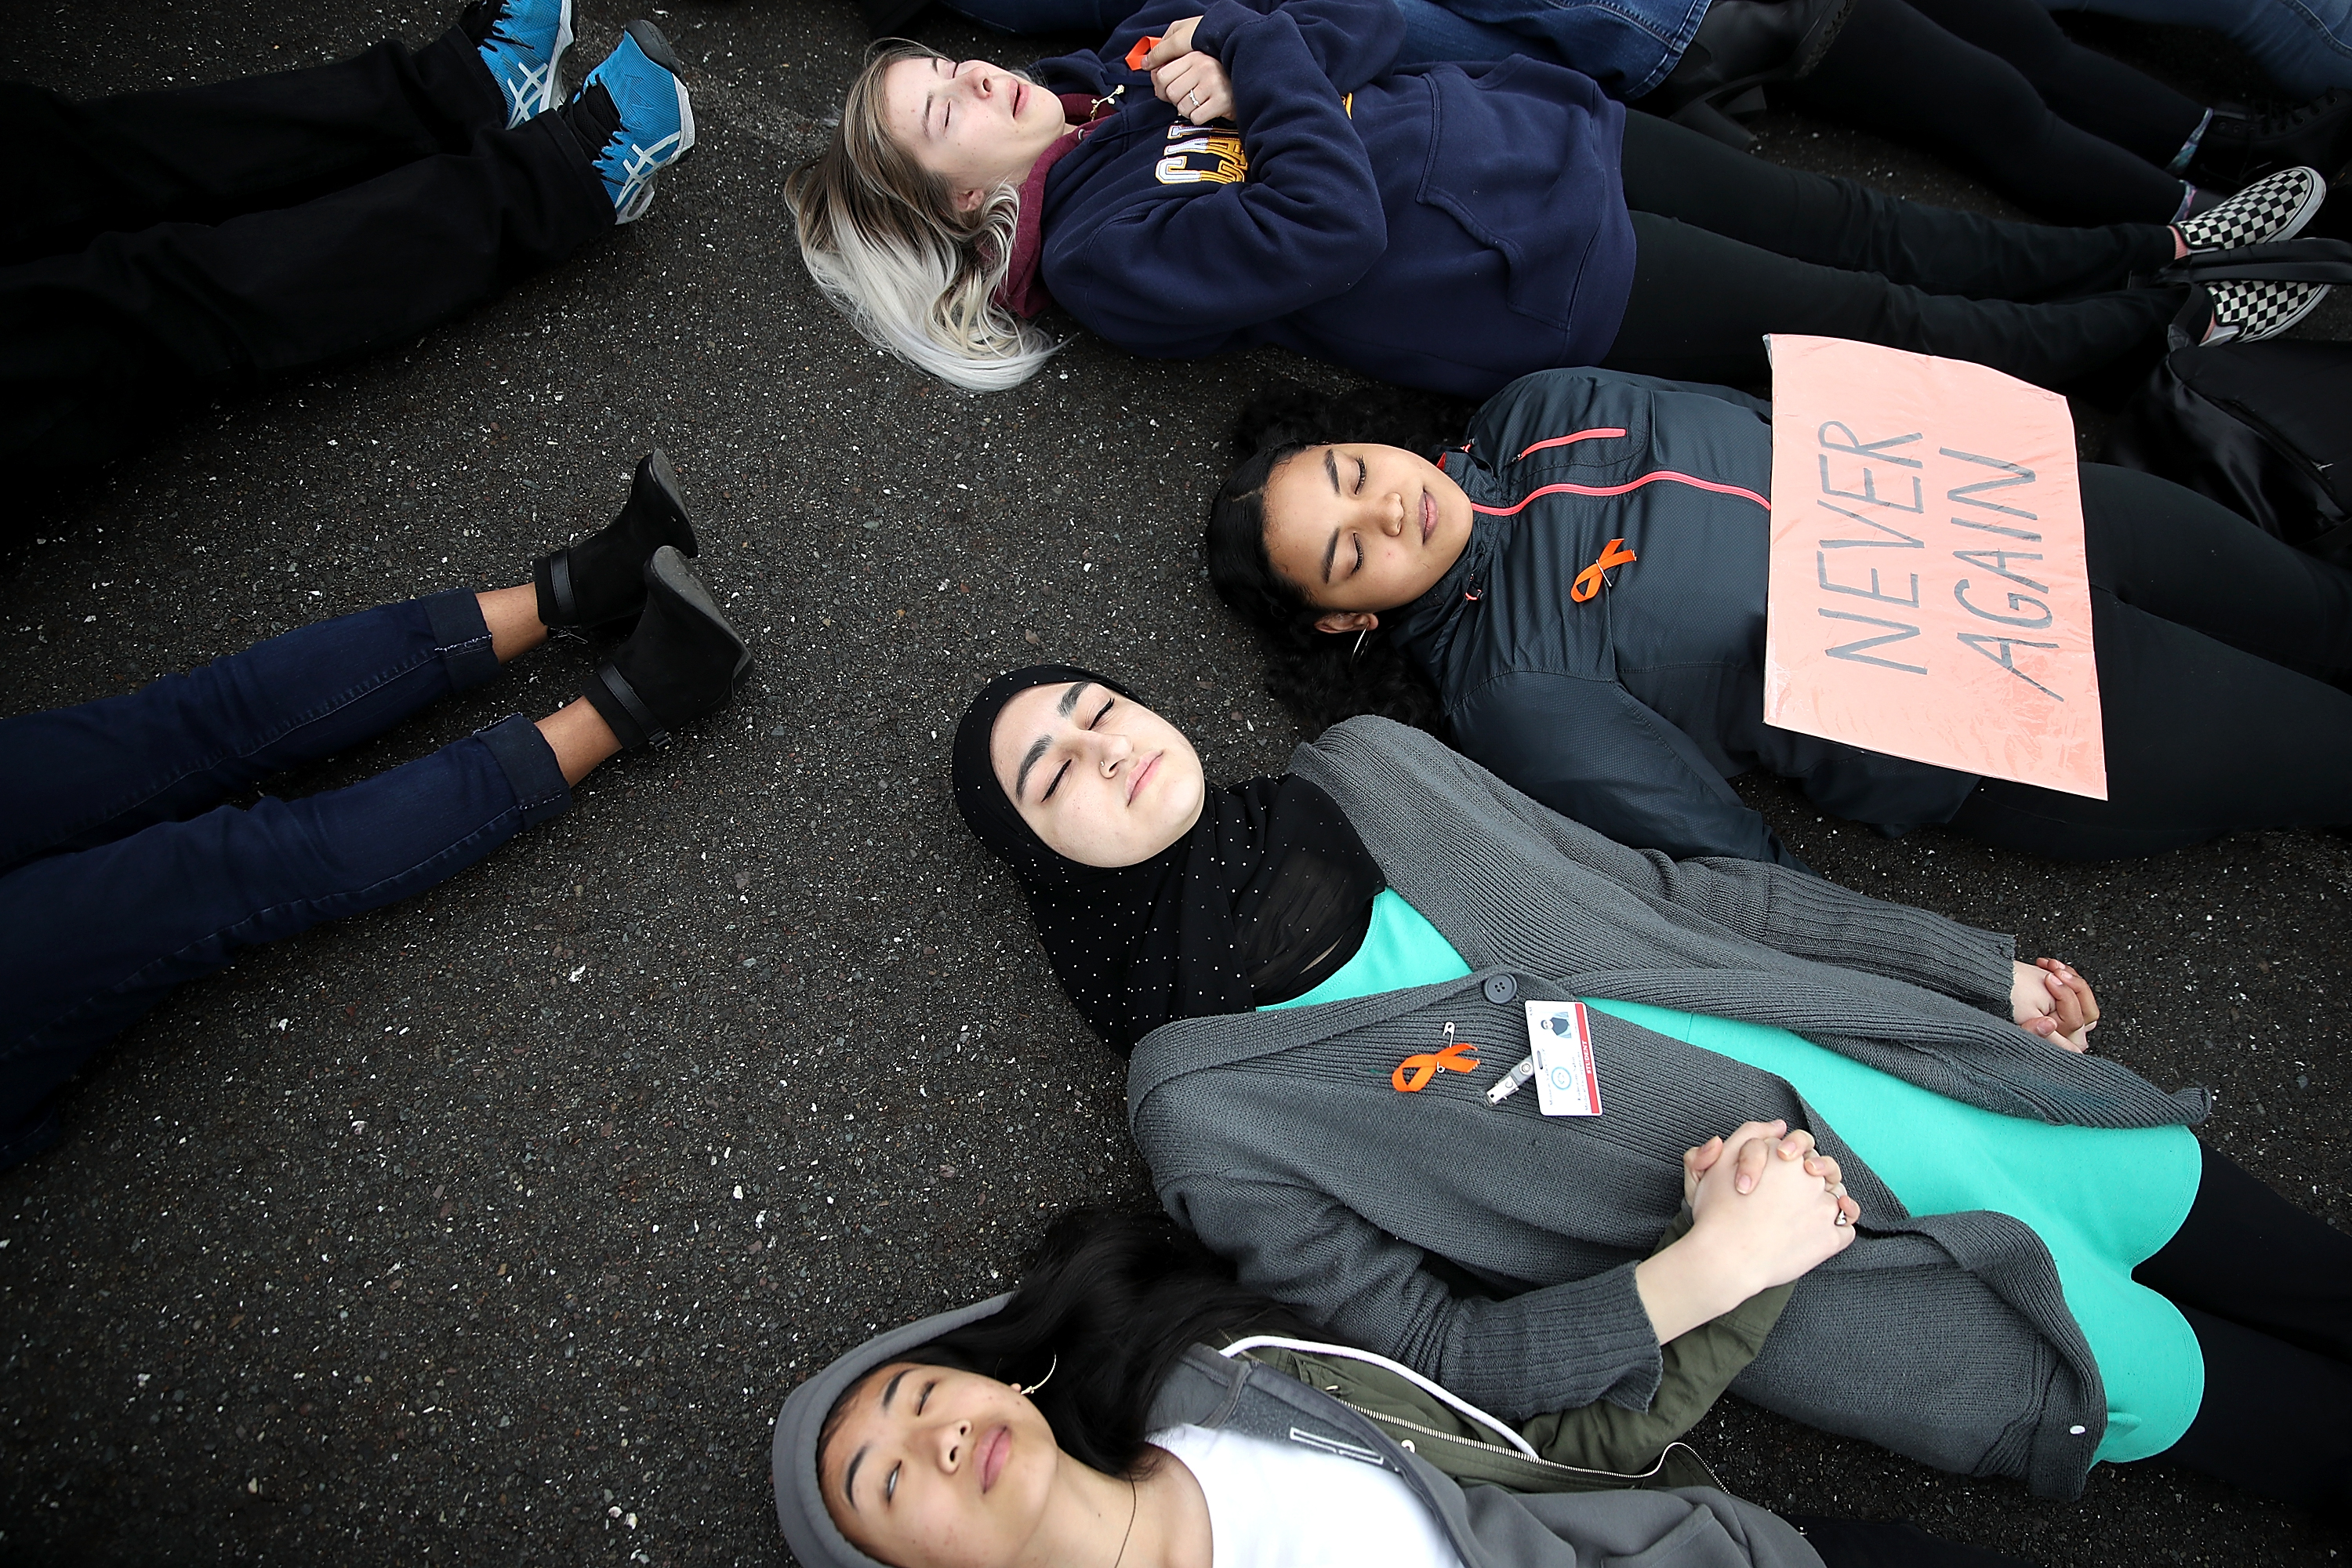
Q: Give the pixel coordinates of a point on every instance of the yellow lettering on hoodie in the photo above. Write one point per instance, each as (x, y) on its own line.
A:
(1201, 156)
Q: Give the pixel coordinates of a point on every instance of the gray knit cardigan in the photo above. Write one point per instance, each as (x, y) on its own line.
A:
(1277, 1138)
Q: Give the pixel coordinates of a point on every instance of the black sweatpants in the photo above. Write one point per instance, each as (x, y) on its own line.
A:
(1729, 248)
(2222, 655)
(1995, 88)
(171, 246)
(2268, 1288)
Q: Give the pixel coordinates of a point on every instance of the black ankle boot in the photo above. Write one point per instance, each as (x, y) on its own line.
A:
(682, 663)
(1742, 43)
(601, 579)
(2239, 149)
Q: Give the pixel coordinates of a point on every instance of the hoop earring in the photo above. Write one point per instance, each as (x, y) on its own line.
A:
(1055, 1367)
(1357, 652)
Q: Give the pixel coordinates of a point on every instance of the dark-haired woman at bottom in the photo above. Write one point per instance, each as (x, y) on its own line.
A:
(1129, 1405)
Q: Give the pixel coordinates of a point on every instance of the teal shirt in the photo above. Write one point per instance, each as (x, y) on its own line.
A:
(2102, 1199)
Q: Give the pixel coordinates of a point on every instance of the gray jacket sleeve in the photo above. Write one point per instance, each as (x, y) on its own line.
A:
(1791, 912)
(1546, 1349)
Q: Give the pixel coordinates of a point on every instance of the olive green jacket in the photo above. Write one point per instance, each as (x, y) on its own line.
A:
(1593, 1447)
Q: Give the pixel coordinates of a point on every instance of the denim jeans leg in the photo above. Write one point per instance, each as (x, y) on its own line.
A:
(74, 777)
(90, 941)
(1433, 35)
(1096, 18)
(2305, 45)
(1626, 46)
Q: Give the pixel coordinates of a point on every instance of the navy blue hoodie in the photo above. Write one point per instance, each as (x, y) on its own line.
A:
(1451, 226)
(1629, 710)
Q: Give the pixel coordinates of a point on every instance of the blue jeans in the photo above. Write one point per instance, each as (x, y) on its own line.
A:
(2305, 45)
(1626, 46)
(121, 874)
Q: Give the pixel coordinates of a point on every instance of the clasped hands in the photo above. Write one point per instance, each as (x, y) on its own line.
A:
(1195, 83)
(2049, 999)
(1767, 1206)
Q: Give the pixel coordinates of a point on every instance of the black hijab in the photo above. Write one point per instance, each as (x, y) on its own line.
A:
(1266, 895)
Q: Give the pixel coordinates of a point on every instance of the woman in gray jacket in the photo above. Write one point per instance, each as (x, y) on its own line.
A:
(1086, 1419)
(1329, 981)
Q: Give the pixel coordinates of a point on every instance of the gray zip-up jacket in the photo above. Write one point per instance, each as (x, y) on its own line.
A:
(1277, 1138)
(1630, 709)
(1489, 1526)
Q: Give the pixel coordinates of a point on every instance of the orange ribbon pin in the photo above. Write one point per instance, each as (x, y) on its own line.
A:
(1588, 581)
(1413, 1073)
(1142, 48)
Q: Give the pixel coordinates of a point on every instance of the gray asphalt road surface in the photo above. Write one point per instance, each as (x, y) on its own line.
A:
(493, 1226)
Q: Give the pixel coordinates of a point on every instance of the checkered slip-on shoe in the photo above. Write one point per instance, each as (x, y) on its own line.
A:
(2250, 312)
(2273, 209)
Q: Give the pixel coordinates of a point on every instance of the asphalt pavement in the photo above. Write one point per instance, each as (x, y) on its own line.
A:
(492, 1227)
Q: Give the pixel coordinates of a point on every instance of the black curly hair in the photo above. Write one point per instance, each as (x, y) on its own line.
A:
(1320, 678)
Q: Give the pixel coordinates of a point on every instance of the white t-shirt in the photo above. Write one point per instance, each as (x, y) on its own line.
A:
(1288, 1505)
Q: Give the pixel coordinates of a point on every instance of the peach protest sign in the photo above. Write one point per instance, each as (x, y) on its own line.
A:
(1928, 597)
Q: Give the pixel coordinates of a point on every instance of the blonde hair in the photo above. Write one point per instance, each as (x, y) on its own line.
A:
(882, 236)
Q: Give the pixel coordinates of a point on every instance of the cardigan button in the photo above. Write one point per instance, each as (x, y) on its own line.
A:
(1501, 988)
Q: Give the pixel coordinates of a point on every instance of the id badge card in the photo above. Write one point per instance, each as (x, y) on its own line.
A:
(1560, 1038)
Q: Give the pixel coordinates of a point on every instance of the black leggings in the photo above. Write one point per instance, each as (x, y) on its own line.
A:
(1994, 87)
(2217, 645)
(1729, 248)
(2268, 1288)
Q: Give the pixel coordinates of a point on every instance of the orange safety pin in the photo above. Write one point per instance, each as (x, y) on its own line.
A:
(1413, 1073)
(1588, 581)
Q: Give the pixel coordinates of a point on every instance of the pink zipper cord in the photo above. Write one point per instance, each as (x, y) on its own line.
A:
(1656, 476)
(1568, 440)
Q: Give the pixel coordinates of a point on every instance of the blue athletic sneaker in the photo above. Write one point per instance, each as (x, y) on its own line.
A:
(643, 123)
(521, 45)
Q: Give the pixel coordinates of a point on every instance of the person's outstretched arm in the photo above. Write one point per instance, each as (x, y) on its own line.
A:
(1790, 910)
(1548, 1349)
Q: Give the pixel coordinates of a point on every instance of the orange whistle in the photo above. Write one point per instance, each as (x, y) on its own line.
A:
(1588, 582)
(1142, 48)
(1413, 1073)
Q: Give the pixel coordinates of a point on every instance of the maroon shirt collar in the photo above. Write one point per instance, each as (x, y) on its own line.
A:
(1024, 292)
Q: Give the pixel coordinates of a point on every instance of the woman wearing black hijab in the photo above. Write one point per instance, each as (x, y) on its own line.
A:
(2102, 1288)
(1266, 892)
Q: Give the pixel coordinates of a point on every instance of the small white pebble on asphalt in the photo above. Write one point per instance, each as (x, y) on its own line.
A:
(739, 1195)
(578, 973)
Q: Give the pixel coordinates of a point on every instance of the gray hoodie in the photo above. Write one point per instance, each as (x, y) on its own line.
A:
(1687, 1527)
